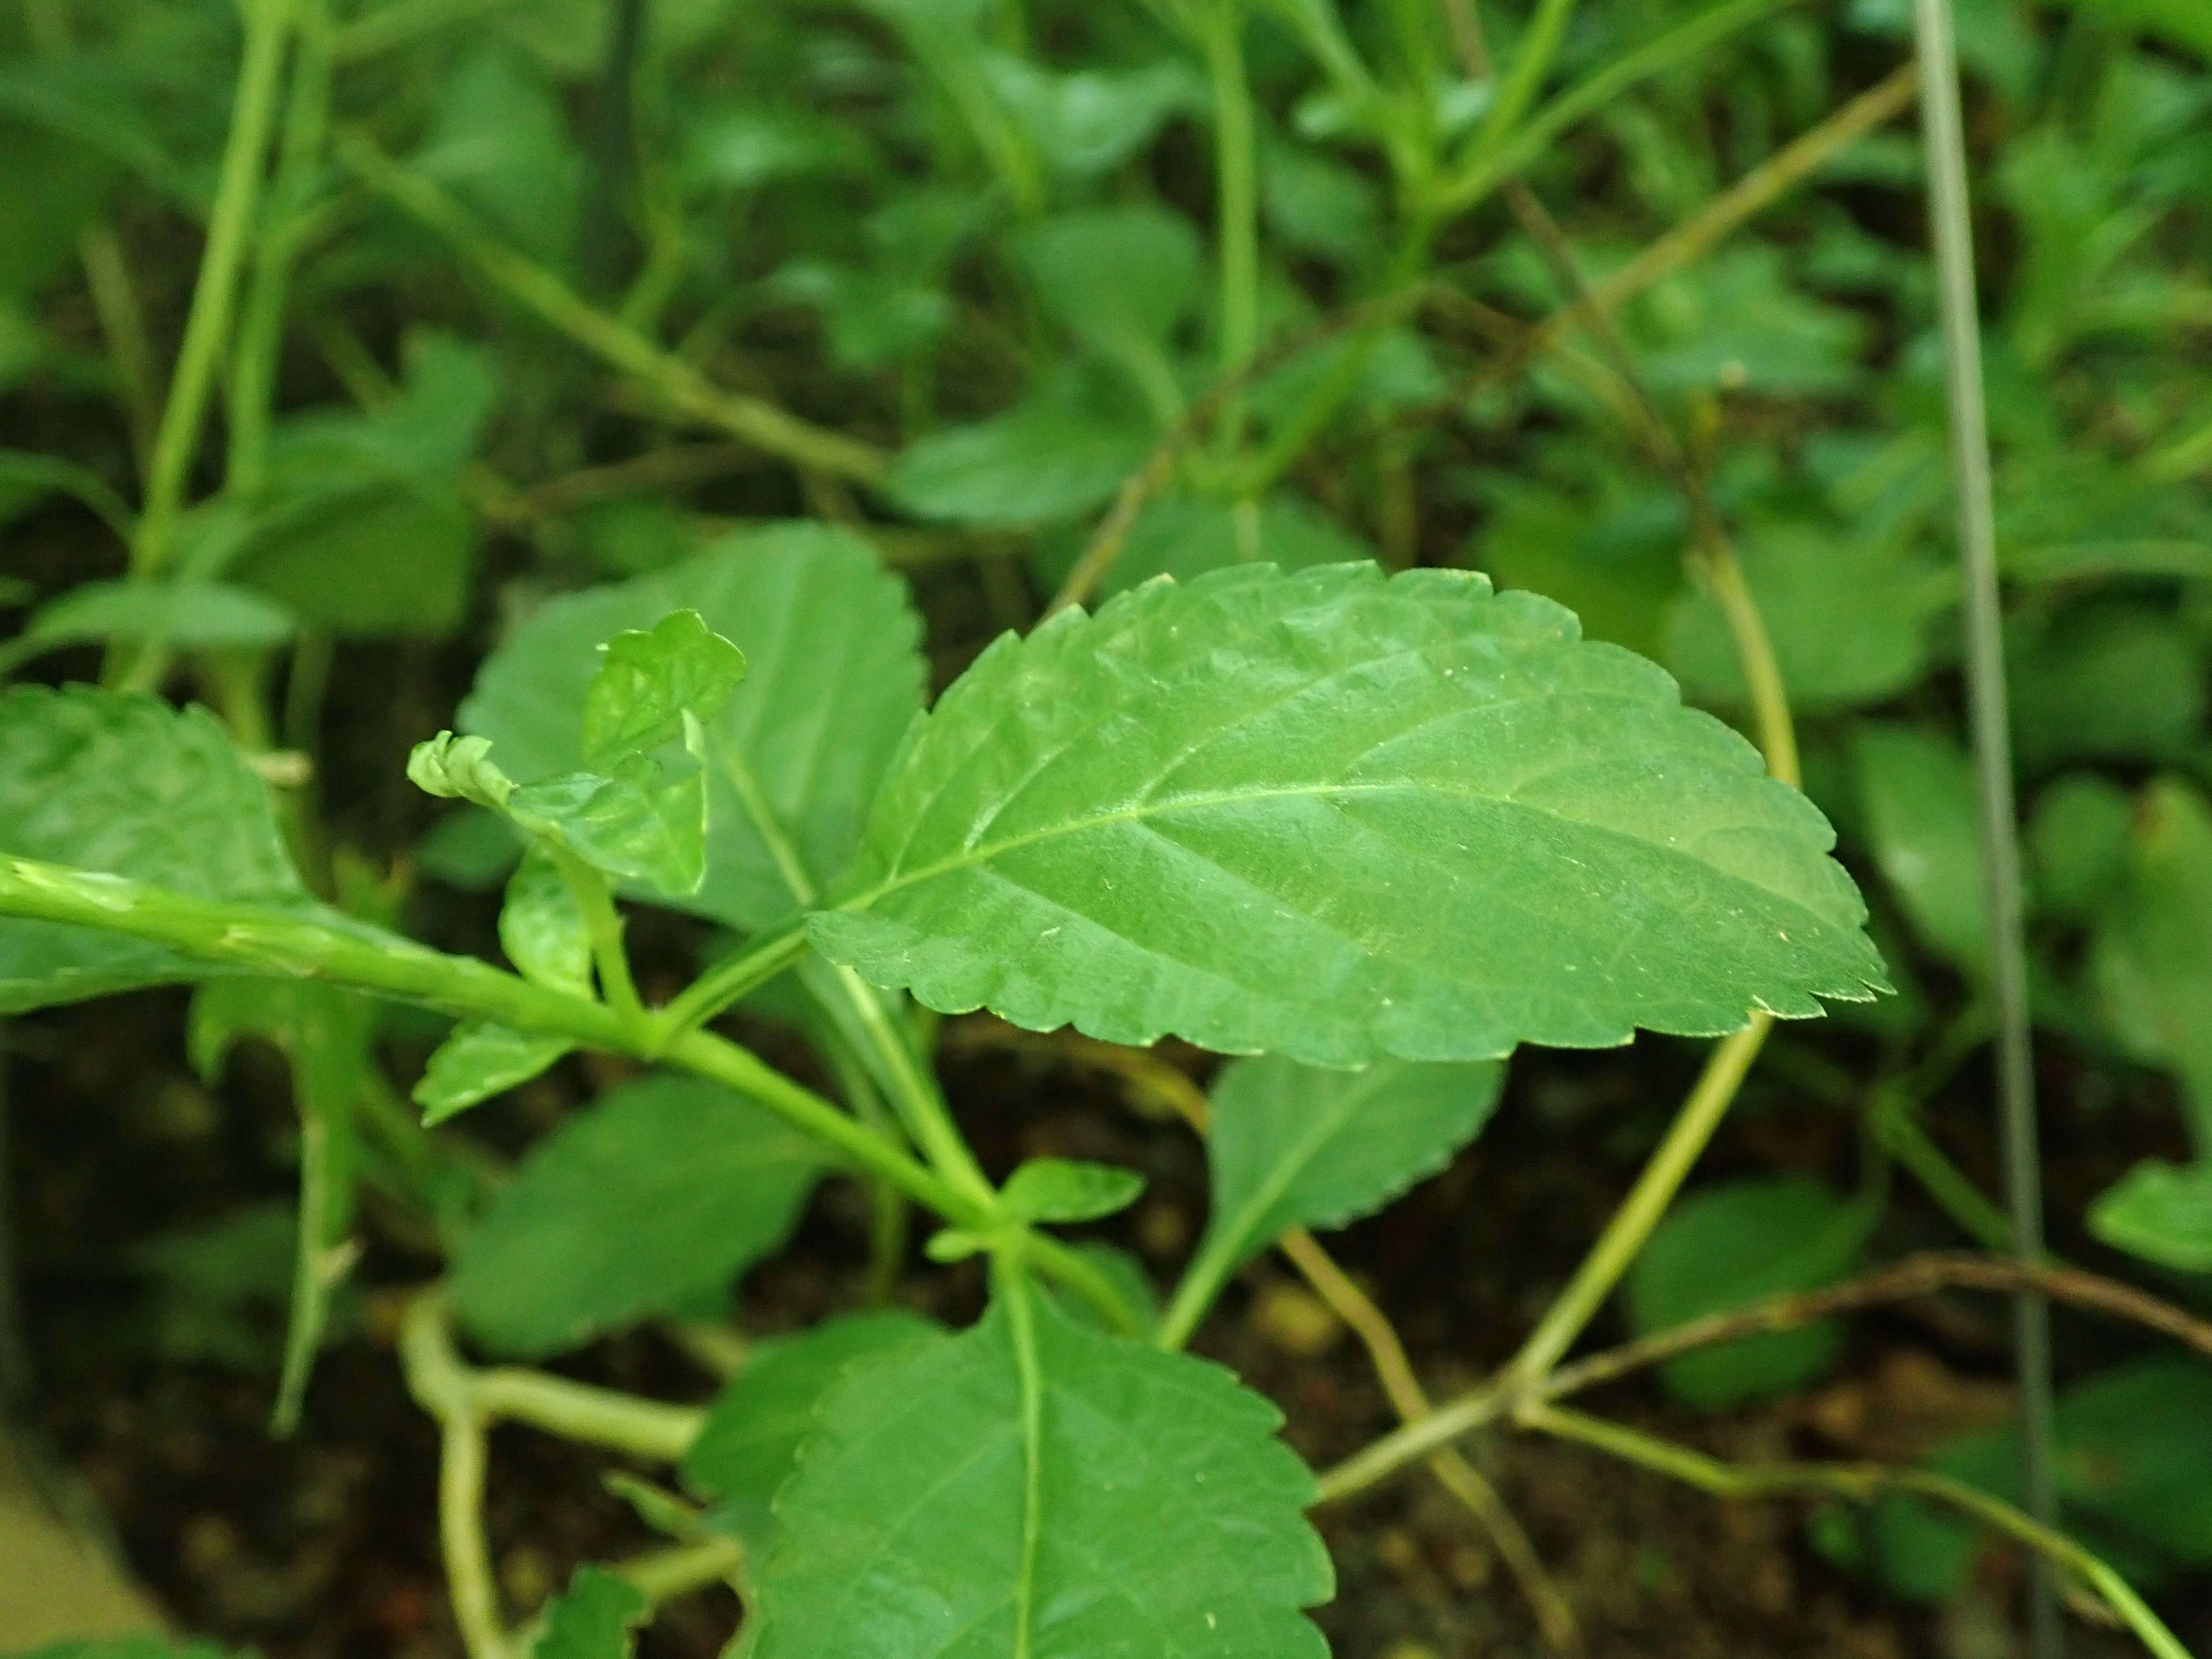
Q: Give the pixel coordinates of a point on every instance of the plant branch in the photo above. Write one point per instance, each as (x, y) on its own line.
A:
(1236, 189)
(674, 381)
(207, 325)
(1861, 1483)
(439, 1384)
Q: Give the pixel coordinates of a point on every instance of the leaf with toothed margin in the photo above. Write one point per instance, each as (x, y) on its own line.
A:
(1032, 1486)
(1340, 817)
(125, 785)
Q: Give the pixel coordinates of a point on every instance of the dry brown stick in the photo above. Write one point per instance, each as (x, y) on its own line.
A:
(1153, 1081)
(1915, 1276)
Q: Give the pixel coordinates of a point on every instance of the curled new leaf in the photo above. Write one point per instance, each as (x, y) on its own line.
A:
(1339, 818)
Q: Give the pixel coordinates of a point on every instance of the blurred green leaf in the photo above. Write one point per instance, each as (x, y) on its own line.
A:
(480, 1060)
(2160, 1211)
(1733, 1243)
(666, 1188)
(1063, 1190)
(2112, 681)
(189, 616)
(1917, 791)
(1851, 619)
(1036, 465)
(597, 1616)
(541, 928)
(2151, 956)
(2077, 843)
(1090, 121)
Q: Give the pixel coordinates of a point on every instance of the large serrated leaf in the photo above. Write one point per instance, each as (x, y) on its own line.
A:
(126, 786)
(1339, 819)
(1297, 1145)
(664, 1189)
(1149, 1514)
(833, 678)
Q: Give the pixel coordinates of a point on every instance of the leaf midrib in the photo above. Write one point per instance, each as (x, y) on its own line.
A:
(985, 852)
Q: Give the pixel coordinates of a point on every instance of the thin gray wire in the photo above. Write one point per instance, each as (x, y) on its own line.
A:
(1952, 226)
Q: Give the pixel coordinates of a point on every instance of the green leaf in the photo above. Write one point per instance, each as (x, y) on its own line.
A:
(191, 616)
(751, 1441)
(26, 478)
(362, 528)
(125, 785)
(1062, 1189)
(666, 1188)
(1036, 465)
(1091, 120)
(2106, 682)
(541, 928)
(1339, 818)
(2151, 956)
(650, 681)
(480, 1060)
(1293, 1145)
(1916, 789)
(470, 849)
(1849, 617)
(595, 1618)
(1733, 1243)
(2160, 1211)
(792, 759)
(642, 813)
(1031, 1487)
(1119, 280)
(2077, 843)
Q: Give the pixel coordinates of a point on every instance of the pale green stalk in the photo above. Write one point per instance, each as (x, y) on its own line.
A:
(1237, 208)
(1531, 62)
(1949, 217)
(207, 325)
(286, 226)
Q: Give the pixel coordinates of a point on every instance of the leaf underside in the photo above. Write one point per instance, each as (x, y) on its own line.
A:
(1168, 1522)
(128, 786)
(1337, 817)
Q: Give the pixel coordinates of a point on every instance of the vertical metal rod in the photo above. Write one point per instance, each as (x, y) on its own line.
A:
(1951, 227)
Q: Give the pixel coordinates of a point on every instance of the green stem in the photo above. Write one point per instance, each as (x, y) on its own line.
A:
(290, 943)
(1013, 1288)
(1646, 1205)
(603, 926)
(238, 191)
(1531, 62)
(261, 327)
(597, 1417)
(1237, 209)
(761, 423)
(915, 1095)
(732, 978)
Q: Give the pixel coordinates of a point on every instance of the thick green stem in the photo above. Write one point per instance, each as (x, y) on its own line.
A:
(238, 191)
(915, 1095)
(732, 978)
(603, 926)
